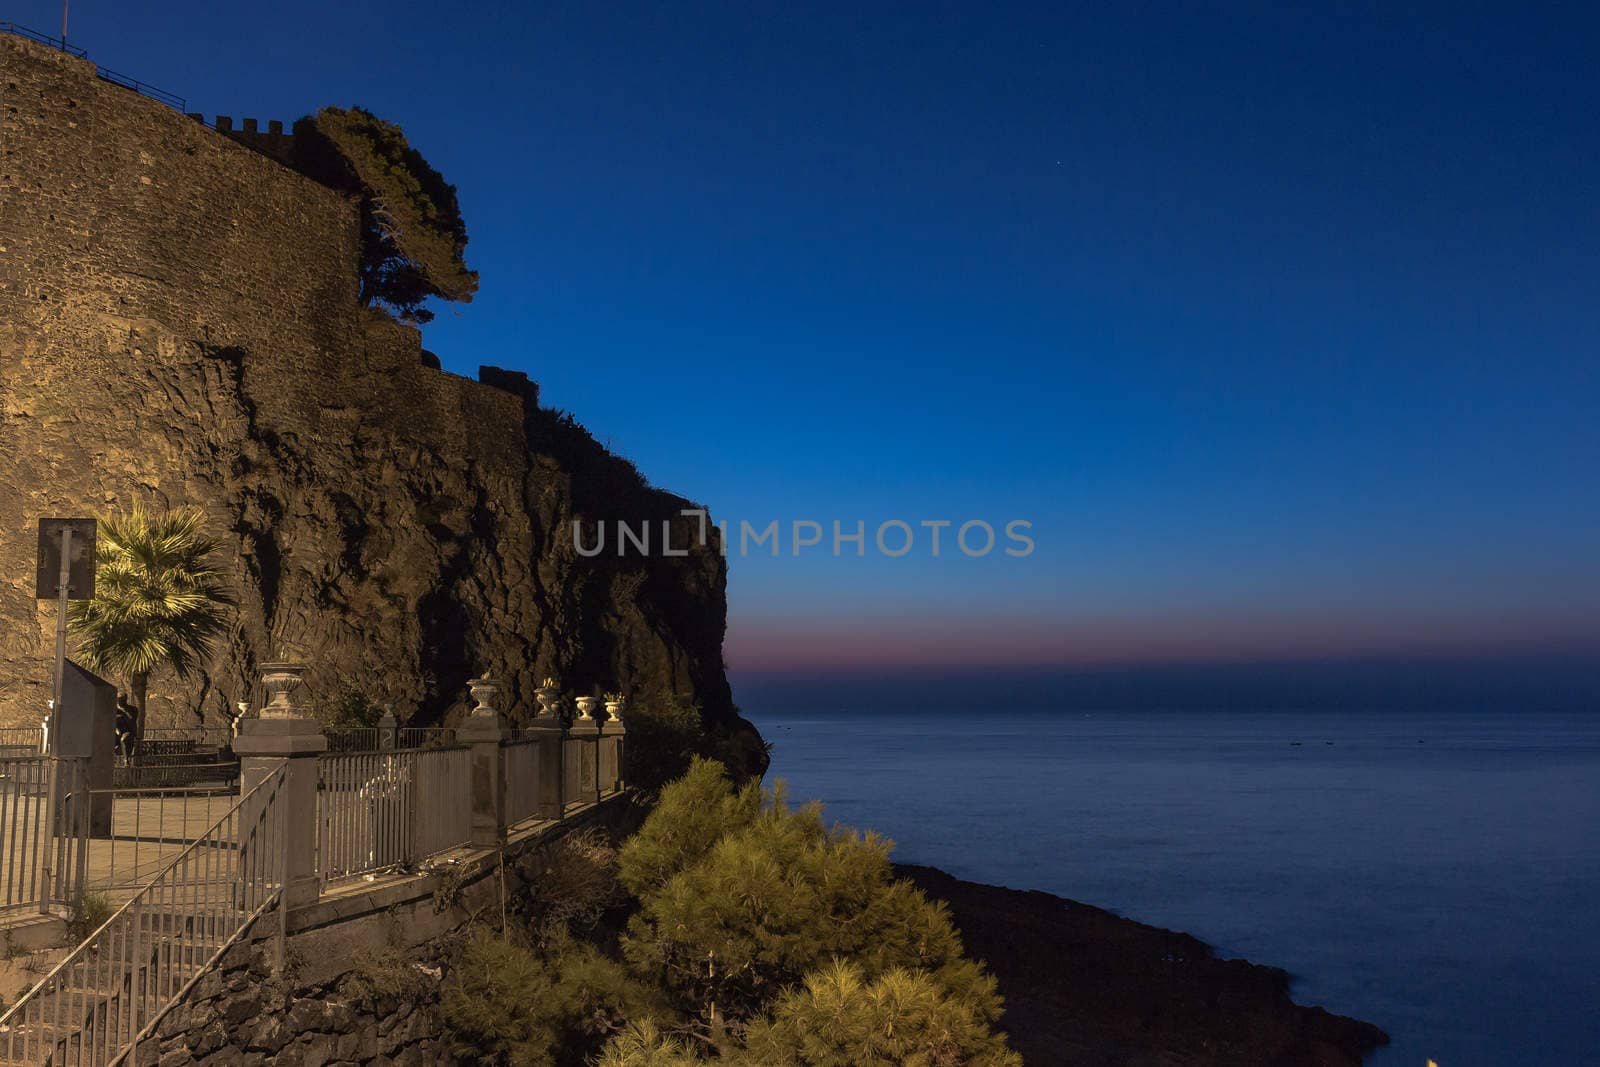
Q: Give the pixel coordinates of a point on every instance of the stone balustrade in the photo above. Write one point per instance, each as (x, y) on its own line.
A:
(555, 766)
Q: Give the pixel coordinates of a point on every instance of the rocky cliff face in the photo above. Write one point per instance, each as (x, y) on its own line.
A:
(179, 325)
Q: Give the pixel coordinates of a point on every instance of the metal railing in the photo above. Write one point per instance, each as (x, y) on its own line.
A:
(175, 772)
(386, 739)
(522, 779)
(425, 737)
(149, 826)
(110, 992)
(174, 738)
(382, 810)
(363, 812)
(34, 35)
(444, 800)
(172, 100)
(354, 739)
(42, 842)
(21, 741)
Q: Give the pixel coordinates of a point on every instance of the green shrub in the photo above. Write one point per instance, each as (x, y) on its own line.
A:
(644, 1045)
(349, 708)
(838, 1018)
(742, 898)
(504, 1004)
(572, 883)
(385, 978)
(664, 735)
(693, 813)
(88, 913)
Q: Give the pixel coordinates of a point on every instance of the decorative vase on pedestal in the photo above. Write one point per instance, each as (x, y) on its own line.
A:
(549, 698)
(281, 680)
(486, 691)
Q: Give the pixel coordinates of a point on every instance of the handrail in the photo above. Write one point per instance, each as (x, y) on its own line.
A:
(200, 972)
(43, 835)
(34, 35)
(103, 1022)
(172, 100)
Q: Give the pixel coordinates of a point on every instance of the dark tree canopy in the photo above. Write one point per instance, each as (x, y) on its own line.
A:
(414, 239)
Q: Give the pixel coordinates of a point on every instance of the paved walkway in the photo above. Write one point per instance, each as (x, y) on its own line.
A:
(149, 828)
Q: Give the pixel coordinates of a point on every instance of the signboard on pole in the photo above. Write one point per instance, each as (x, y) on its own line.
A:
(79, 563)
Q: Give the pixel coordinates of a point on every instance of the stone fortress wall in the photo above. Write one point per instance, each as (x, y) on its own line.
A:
(180, 324)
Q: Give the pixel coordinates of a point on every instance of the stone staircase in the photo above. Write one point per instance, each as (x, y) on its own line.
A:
(91, 1008)
(99, 1000)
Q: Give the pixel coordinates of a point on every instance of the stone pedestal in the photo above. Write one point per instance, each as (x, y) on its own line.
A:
(483, 733)
(612, 735)
(388, 731)
(581, 771)
(551, 745)
(283, 736)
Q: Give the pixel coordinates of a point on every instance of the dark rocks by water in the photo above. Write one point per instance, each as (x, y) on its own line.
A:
(1085, 987)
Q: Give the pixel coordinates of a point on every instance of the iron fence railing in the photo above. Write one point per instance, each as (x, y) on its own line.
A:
(174, 771)
(354, 739)
(363, 812)
(43, 814)
(21, 741)
(522, 779)
(444, 800)
(425, 737)
(172, 100)
(45, 39)
(386, 739)
(382, 810)
(186, 738)
(111, 991)
(149, 826)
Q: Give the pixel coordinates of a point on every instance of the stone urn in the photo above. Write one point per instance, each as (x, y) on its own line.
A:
(280, 681)
(549, 698)
(614, 708)
(486, 691)
(586, 706)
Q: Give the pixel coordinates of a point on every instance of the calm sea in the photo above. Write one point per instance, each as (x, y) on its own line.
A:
(1437, 874)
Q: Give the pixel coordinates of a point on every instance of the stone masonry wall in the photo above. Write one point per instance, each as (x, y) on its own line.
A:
(241, 1016)
(179, 324)
(319, 1010)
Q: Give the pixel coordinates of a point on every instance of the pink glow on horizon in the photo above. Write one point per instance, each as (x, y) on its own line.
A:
(804, 643)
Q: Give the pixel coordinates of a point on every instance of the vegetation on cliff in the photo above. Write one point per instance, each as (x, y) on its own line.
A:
(757, 935)
(667, 734)
(414, 239)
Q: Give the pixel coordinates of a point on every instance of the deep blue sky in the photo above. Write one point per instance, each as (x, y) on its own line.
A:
(1281, 326)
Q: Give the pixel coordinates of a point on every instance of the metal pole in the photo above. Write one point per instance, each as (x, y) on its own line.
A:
(61, 633)
(54, 879)
(63, 25)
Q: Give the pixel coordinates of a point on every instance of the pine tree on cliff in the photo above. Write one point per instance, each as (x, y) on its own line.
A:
(159, 602)
(413, 237)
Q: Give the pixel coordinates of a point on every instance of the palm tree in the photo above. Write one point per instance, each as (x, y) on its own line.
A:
(158, 600)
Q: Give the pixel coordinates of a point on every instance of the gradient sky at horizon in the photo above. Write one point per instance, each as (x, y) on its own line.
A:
(1279, 325)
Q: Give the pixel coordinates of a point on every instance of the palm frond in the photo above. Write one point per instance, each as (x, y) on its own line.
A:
(159, 601)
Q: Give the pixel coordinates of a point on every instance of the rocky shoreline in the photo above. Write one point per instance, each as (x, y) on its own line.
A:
(1085, 987)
